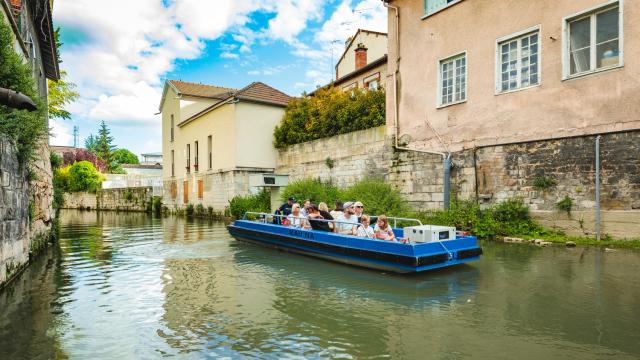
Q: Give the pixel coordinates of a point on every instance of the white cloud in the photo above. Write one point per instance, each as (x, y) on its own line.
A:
(61, 133)
(228, 55)
(292, 17)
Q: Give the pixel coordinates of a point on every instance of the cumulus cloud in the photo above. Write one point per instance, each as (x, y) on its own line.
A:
(129, 45)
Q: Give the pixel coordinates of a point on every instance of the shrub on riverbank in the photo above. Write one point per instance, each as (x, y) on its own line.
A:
(510, 217)
(260, 202)
(313, 189)
(330, 112)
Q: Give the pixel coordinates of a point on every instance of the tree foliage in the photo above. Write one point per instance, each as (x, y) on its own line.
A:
(124, 156)
(102, 146)
(61, 94)
(330, 112)
(24, 128)
(83, 176)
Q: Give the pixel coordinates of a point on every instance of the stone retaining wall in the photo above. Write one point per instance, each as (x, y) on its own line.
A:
(492, 174)
(126, 199)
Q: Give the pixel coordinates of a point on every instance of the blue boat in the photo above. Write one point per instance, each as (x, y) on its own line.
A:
(358, 251)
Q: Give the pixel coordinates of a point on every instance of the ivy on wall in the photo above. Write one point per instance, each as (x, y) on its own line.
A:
(330, 112)
(21, 127)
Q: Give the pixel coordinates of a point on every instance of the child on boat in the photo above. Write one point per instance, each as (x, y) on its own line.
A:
(382, 230)
(365, 230)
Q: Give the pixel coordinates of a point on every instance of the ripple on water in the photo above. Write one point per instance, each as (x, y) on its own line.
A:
(130, 286)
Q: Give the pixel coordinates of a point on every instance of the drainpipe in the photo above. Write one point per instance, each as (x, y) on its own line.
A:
(598, 188)
(446, 157)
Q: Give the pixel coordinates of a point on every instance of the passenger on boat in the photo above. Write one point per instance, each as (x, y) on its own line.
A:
(365, 230)
(324, 211)
(359, 209)
(347, 223)
(338, 210)
(316, 220)
(305, 207)
(295, 219)
(285, 209)
(382, 230)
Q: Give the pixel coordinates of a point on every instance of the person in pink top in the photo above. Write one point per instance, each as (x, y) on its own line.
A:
(382, 229)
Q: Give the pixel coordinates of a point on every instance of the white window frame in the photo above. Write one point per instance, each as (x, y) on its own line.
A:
(424, 6)
(519, 34)
(566, 42)
(466, 77)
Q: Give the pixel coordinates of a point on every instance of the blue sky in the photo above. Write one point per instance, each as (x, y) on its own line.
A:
(120, 52)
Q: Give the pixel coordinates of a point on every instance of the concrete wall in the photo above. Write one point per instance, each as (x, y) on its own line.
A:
(596, 103)
(126, 199)
(218, 188)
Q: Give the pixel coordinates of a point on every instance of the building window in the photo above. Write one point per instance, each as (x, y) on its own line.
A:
(188, 167)
(173, 164)
(171, 131)
(594, 41)
(372, 82)
(518, 62)
(433, 6)
(453, 80)
(196, 163)
(200, 189)
(210, 150)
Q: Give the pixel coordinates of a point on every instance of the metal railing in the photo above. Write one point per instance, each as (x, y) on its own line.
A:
(266, 217)
(396, 219)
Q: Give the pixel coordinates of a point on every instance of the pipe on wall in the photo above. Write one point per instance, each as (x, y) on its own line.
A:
(597, 207)
(446, 157)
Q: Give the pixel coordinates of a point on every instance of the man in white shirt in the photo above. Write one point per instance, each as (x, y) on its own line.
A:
(346, 223)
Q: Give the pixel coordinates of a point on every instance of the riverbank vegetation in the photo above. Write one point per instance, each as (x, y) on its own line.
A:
(330, 112)
(508, 218)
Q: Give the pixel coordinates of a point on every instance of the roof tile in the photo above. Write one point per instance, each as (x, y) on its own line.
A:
(201, 90)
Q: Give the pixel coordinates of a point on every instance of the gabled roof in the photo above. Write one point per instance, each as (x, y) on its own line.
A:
(257, 92)
(194, 89)
(200, 90)
(353, 38)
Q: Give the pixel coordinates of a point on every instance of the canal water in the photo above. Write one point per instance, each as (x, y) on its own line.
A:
(128, 286)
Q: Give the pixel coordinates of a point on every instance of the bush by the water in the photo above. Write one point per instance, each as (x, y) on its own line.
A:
(510, 217)
(312, 189)
(378, 198)
(330, 112)
(260, 202)
(83, 176)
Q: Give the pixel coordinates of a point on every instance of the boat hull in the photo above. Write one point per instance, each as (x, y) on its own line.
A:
(362, 252)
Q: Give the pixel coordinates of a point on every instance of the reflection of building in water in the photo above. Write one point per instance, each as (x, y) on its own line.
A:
(208, 297)
(30, 307)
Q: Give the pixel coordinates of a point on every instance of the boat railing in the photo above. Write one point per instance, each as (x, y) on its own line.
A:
(266, 217)
(396, 219)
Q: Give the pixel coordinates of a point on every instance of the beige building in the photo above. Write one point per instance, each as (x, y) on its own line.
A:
(213, 138)
(490, 72)
(521, 93)
(363, 64)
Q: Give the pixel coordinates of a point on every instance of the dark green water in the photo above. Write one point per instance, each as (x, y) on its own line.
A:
(125, 286)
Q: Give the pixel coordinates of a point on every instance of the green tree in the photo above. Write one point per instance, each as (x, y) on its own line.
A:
(124, 156)
(105, 147)
(61, 94)
(83, 176)
(91, 144)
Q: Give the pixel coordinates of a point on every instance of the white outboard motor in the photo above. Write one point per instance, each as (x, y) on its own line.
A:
(429, 233)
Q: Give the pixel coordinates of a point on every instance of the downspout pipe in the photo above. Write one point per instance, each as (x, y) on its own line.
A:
(597, 188)
(446, 157)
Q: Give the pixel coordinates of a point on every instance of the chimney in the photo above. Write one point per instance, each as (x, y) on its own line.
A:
(361, 56)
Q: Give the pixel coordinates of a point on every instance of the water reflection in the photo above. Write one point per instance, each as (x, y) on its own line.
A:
(133, 286)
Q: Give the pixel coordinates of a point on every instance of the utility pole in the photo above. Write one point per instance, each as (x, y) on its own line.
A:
(76, 131)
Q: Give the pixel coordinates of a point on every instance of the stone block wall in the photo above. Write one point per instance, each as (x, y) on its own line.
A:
(14, 212)
(492, 174)
(124, 199)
